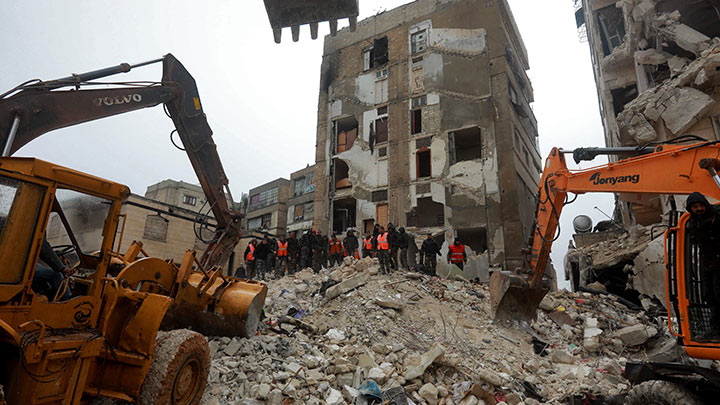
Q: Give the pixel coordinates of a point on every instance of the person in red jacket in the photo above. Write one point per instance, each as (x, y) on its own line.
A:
(456, 254)
(336, 251)
(250, 259)
(367, 247)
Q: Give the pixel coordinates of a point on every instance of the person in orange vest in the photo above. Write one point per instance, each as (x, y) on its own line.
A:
(250, 259)
(383, 251)
(336, 250)
(367, 247)
(456, 254)
(282, 258)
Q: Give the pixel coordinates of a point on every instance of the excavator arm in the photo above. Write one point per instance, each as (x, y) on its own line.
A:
(37, 107)
(666, 169)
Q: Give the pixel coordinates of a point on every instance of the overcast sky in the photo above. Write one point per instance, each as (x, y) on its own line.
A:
(260, 98)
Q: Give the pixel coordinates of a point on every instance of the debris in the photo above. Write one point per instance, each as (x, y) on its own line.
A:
(347, 285)
(635, 335)
(416, 367)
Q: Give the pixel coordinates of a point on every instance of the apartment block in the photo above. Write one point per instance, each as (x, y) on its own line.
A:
(424, 121)
(301, 202)
(268, 207)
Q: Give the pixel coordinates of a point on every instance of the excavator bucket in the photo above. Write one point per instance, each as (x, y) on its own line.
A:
(513, 299)
(293, 14)
(230, 307)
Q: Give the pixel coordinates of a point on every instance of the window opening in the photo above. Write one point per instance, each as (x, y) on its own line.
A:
(189, 200)
(381, 130)
(467, 144)
(612, 28)
(346, 130)
(416, 121)
(418, 42)
(342, 172)
(423, 165)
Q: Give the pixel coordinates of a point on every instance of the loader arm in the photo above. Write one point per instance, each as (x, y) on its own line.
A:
(35, 108)
(668, 169)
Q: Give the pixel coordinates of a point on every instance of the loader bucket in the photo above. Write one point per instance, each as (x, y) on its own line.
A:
(513, 299)
(227, 308)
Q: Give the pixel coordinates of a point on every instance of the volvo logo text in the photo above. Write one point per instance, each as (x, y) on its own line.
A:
(130, 98)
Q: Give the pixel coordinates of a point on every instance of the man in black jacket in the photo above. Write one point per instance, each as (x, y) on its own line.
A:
(48, 280)
(293, 252)
(429, 250)
(705, 232)
(351, 244)
(306, 249)
(403, 239)
(393, 236)
(262, 250)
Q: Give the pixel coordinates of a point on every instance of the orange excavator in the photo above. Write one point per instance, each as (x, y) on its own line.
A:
(671, 168)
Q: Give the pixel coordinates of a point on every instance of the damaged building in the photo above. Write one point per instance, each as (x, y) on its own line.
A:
(424, 121)
(656, 67)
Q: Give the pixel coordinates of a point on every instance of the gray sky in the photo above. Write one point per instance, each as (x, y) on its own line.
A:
(260, 98)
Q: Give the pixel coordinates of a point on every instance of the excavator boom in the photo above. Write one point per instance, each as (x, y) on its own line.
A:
(669, 169)
(31, 110)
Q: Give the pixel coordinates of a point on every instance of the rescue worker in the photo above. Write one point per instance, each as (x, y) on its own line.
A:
(705, 232)
(456, 254)
(317, 251)
(49, 279)
(367, 248)
(428, 251)
(262, 250)
(282, 257)
(351, 244)
(272, 254)
(336, 249)
(250, 263)
(325, 251)
(306, 249)
(393, 241)
(383, 251)
(403, 239)
(293, 247)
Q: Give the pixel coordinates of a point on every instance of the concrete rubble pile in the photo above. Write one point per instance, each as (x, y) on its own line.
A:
(638, 254)
(352, 335)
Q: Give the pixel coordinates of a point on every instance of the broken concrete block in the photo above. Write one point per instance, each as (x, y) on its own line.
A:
(687, 38)
(429, 393)
(649, 271)
(563, 357)
(334, 397)
(489, 376)
(347, 285)
(685, 108)
(651, 56)
(389, 304)
(232, 348)
(335, 334)
(416, 367)
(377, 374)
(701, 78)
(634, 335)
(677, 63)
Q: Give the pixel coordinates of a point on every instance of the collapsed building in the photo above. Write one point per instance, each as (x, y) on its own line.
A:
(656, 64)
(656, 67)
(424, 121)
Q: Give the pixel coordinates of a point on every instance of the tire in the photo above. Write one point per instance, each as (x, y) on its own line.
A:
(657, 392)
(179, 369)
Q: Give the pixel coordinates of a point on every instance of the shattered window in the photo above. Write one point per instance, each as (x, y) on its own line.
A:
(266, 221)
(381, 130)
(612, 28)
(380, 51)
(418, 42)
(299, 212)
(468, 144)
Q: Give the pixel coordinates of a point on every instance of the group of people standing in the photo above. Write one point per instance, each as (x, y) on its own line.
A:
(313, 249)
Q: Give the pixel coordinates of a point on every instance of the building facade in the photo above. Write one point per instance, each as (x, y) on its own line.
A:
(424, 121)
(301, 202)
(268, 207)
(656, 68)
(178, 193)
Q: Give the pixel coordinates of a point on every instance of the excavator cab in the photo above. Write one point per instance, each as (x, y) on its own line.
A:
(689, 312)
